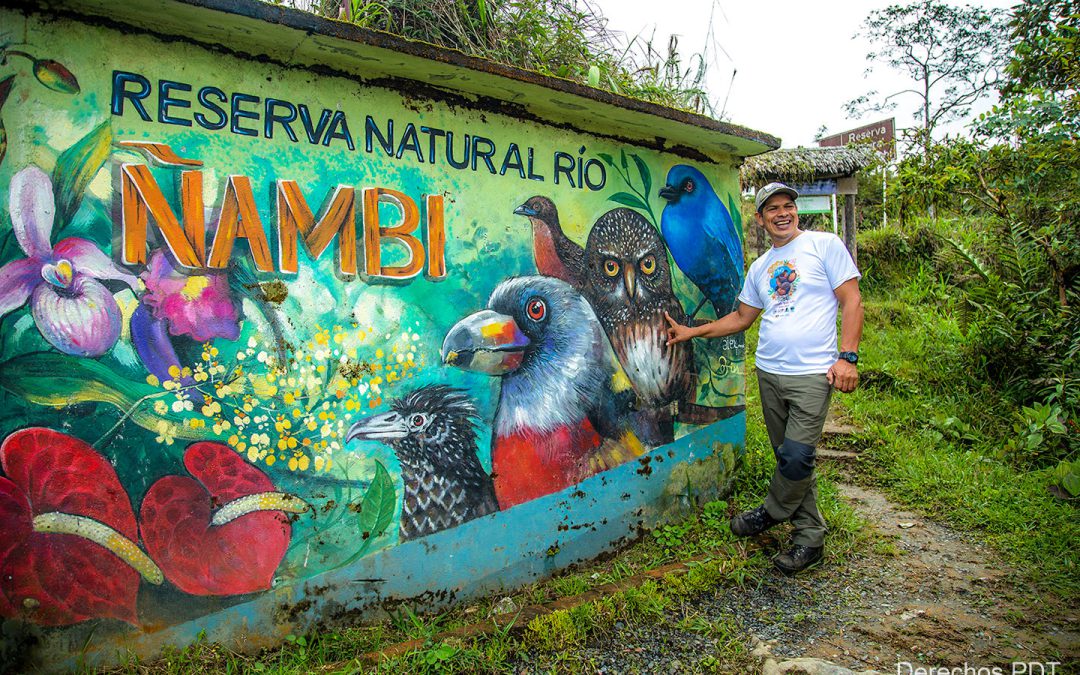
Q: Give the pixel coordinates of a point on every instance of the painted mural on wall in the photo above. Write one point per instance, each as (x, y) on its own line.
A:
(258, 324)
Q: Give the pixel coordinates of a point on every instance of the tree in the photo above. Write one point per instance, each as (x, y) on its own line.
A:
(1016, 177)
(1039, 98)
(1047, 50)
(953, 54)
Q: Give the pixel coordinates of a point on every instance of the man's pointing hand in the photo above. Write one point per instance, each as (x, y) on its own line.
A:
(677, 332)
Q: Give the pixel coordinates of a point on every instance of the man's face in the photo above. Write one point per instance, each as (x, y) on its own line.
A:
(780, 218)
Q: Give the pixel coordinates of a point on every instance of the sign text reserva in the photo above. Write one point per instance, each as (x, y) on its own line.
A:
(211, 108)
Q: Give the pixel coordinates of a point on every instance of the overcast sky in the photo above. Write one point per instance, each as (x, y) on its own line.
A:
(795, 62)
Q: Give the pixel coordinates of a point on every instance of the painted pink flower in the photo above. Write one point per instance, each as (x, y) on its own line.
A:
(71, 308)
(198, 305)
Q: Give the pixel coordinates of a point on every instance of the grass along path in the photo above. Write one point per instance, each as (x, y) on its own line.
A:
(934, 449)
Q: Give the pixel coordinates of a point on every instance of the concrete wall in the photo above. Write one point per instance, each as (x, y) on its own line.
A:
(282, 344)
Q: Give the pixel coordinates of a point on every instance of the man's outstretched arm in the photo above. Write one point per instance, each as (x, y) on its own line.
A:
(739, 320)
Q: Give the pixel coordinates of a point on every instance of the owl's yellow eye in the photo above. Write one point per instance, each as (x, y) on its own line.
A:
(611, 267)
(648, 264)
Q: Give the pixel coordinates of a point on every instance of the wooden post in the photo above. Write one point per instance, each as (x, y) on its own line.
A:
(849, 186)
(849, 227)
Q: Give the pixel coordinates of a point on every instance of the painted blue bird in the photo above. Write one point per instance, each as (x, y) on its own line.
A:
(701, 236)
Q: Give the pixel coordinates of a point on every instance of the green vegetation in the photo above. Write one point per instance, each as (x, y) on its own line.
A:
(1006, 262)
(971, 396)
(939, 434)
(563, 38)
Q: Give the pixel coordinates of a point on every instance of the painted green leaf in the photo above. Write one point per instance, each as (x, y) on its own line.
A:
(736, 215)
(58, 380)
(87, 223)
(22, 337)
(377, 507)
(622, 157)
(646, 175)
(76, 167)
(607, 159)
(627, 199)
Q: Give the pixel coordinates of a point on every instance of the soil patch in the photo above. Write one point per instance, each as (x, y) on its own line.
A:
(925, 594)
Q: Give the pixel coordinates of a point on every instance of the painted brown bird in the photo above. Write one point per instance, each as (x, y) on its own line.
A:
(556, 254)
(628, 284)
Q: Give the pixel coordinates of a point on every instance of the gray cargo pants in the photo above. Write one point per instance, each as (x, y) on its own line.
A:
(795, 407)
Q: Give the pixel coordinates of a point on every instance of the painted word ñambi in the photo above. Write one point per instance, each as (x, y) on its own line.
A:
(142, 200)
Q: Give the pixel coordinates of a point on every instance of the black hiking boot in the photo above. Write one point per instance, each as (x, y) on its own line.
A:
(798, 558)
(752, 522)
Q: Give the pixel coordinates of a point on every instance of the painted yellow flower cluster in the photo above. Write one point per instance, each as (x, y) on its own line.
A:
(292, 408)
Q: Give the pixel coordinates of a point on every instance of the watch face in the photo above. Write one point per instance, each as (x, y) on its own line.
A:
(850, 357)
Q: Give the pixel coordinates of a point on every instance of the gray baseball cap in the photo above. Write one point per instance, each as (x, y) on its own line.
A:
(771, 189)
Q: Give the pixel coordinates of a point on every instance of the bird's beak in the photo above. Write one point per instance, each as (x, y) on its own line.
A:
(487, 342)
(525, 210)
(669, 193)
(386, 427)
(630, 279)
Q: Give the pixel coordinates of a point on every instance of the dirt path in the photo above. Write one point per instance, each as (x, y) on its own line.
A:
(941, 600)
(925, 595)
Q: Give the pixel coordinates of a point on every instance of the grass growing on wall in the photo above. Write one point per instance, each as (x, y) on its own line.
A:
(570, 39)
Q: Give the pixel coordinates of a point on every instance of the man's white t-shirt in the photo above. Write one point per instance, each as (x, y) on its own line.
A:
(793, 286)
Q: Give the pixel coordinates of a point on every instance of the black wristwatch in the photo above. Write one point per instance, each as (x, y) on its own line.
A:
(850, 357)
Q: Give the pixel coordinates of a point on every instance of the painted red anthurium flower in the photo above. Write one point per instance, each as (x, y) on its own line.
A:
(222, 532)
(68, 553)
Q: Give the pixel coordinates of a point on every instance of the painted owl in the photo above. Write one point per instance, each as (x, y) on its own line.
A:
(628, 283)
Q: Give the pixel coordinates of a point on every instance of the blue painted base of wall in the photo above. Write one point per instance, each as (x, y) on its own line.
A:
(499, 552)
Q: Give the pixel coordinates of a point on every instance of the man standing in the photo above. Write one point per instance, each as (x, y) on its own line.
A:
(796, 287)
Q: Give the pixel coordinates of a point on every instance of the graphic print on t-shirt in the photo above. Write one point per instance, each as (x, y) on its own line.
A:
(783, 281)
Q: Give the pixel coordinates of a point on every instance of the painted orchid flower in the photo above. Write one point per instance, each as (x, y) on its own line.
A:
(199, 305)
(71, 307)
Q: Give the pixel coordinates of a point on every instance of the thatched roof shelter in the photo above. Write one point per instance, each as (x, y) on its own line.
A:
(804, 165)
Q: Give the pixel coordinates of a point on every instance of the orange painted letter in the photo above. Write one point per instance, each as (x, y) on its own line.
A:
(240, 219)
(403, 233)
(141, 197)
(436, 238)
(295, 219)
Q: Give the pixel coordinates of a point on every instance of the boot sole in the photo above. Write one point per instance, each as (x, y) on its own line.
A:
(790, 572)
